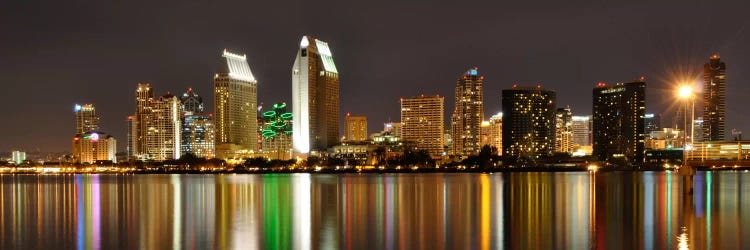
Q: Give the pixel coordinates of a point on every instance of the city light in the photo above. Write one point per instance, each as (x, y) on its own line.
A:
(685, 91)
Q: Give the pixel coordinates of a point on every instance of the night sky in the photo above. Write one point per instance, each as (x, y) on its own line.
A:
(54, 54)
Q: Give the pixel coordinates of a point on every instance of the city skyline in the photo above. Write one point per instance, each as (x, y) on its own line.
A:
(176, 64)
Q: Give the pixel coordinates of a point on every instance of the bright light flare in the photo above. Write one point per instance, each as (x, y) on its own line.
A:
(685, 91)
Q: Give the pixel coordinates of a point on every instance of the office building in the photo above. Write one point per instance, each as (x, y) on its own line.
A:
(492, 132)
(355, 128)
(143, 97)
(528, 122)
(422, 123)
(618, 120)
(468, 114)
(652, 122)
(564, 130)
(197, 127)
(315, 97)
(714, 99)
(93, 146)
(581, 126)
(86, 118)
(163, 129)
(18, 157)
(235, 107)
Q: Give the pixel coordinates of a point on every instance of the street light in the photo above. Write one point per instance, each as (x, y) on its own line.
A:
(685, 92)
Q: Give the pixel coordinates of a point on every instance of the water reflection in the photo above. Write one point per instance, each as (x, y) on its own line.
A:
(431, 211)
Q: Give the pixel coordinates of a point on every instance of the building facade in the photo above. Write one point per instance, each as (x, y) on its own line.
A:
(468, 114)
(315, 97)
(355, 128)
(564, 130)
(86, 118)
(618, 120)
(197, 127)
(528, 122)
(492, 132)
(144, 95)
(714, 99)
(422, 122)
(93, 146)
(652, 122)
(235, 107)
(163, 136)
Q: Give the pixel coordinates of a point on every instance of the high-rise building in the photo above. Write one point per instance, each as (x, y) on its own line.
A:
(422, 122)
(93, 146)
(315, 97)
(619, 121)
(492, 132)
(652, 122)
(143, 97)
(197, 127)
(581, 126)
(563, 130)
(714, 99)
(86, 118)
(18, 157)
(90, 144)
(468, 114)
(355, 128)
(132, 138)
(235, 107)
(528, 122)
(163, 129)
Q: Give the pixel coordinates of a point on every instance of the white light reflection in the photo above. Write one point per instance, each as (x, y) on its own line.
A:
(302, 212)
(177, 215)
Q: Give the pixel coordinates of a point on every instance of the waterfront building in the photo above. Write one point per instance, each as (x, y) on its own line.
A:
(94, 146)
(86, 118)
(422, 123)
(355, 128)
(277, 133)
(18, 157)
(468, 114)
(528, 122)
(581, 135)
(315, 97)
(618, 119)
(564, 130)
(163, 129)
(235, 107)
(144, 94)
(714, 99)
(492, 132)
(197, 127)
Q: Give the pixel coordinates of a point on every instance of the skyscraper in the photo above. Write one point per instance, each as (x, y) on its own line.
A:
(86, 118)
(528, 122)
(619, 121)
(315, 97)
(163, 132)
(235, 107)
(197, 127)
(563, 130)
(143, 97)
(714, 99)
(468, 114)
(89, 144)
(355, 128)
(422, 122)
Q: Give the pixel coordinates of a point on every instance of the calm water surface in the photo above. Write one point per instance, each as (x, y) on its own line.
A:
(389, 211)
